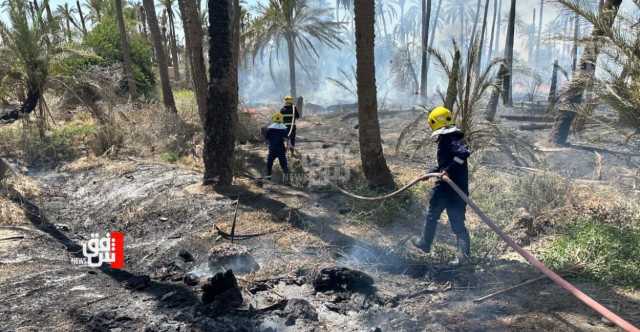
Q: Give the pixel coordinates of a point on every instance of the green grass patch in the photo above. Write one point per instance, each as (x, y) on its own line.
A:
(170, 156)
(602, 252)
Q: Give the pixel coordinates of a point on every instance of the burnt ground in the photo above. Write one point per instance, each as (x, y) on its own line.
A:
(163, 211)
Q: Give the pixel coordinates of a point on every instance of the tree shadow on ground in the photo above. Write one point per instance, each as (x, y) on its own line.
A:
(181, 297)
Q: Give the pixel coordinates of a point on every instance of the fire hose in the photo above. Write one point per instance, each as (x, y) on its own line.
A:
(602, 310)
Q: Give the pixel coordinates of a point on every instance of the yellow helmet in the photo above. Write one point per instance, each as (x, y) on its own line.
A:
(440, 117)
(277, 117)
(289, 100)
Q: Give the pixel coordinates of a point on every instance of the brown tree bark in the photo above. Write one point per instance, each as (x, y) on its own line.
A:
(126, 51)
(573, 96)
(374, 164)
(156, 37)
(426, 17)
(194, 35)
(507, 82)
(291, 49)
(219, 138)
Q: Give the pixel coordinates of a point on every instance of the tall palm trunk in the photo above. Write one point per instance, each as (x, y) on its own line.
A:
(574, 50)
(163, 66)
(193, 36)
(498, 28)
(173, 44)
(531, 36)
(553, 90)
(292, 64)
(507, 93)
(143, 20)
(433, 33)
(82, 21)
(493, 30)
(223, 96)
(374, 164)
(574, 94)
(426, 17)
(537, 55)
(68, 28)
(482, 34)
(126, 51)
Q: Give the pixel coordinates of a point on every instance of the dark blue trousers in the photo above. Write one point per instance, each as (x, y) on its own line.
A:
(282, 158)
(444, 198)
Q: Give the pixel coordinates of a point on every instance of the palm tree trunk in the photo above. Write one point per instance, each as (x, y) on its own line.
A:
(193, 36)
(126, 51)
(507, 93)
(493, 30)
(574, 50)
(223, 96)
(292, 64)
(82, 21)
(173, 44)
(163, 66)
(573, 96)
(531, 35)
(537, 57)
(426, 17)
(374, 164)
(498, 28)
(553, 90)
(143, 20)
(482, 34)
(433, 33)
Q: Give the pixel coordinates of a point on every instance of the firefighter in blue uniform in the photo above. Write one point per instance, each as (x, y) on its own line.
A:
(276, 135)
(452, 161)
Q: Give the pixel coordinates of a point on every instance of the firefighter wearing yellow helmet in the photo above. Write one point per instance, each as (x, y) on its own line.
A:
(452, 160)
(276, 135)
(290, 113)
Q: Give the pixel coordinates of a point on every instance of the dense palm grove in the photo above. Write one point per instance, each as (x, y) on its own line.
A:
(150, 117)
(163, 43)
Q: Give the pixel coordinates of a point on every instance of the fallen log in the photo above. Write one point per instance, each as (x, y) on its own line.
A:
(535, 126)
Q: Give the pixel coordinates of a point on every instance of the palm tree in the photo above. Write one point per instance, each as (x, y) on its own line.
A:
(374, 164)
(66, 13)
(126, 50)
(173, 44)
(493, 29)
(96, 9)
(426, 16)
(163, 66)
(537, 59)
(295, 24)
(223, 96)
(573, 96)
(482, 35)
(385, 14)
(194, 35)
(82, 21)
(432, 38)
(455, 11)
(26, 46)
(507, 79)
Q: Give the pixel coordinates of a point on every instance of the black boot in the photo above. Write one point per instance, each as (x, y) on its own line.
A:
(463, 246)
(429, 233)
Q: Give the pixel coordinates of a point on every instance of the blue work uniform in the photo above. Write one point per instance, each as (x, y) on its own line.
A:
(276, 135)
(452, 158)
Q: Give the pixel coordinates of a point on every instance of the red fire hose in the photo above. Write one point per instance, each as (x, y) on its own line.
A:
(606, 313)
